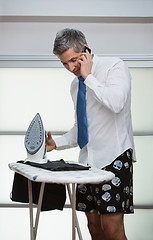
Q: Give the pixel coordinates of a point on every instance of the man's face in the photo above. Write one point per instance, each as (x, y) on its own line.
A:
(70, 61)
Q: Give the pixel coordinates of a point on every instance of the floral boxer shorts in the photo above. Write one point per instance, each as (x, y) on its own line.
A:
(115, 196)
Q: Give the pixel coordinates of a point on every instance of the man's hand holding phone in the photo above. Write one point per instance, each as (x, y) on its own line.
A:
(86, 63)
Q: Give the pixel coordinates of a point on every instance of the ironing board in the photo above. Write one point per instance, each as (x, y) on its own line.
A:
(62, 177)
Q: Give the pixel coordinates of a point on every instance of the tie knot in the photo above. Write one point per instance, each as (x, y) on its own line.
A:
(81, 79)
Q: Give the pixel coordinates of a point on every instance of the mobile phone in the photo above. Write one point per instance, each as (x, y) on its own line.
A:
(86, 48)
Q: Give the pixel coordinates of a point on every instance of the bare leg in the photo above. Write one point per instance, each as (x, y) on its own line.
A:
(106, 226)
(94, 226)
(113, 226)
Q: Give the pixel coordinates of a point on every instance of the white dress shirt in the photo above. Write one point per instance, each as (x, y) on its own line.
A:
(108, 104)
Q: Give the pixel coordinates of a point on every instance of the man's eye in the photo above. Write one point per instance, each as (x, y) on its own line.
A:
(73, 60)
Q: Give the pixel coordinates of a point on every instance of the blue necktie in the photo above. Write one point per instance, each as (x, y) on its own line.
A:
(81, 114)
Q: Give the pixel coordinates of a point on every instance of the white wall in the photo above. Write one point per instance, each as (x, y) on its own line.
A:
(117, 27)
(138, 8)
(35, 38)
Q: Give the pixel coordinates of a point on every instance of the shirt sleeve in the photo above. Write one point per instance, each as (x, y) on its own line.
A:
(69, 139)
(112, 90)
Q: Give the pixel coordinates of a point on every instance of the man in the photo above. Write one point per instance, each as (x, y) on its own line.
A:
(110, 140)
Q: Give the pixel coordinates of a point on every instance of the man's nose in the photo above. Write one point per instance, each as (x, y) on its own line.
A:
(71, 67)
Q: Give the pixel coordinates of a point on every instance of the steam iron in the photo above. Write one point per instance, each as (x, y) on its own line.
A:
(35, 141)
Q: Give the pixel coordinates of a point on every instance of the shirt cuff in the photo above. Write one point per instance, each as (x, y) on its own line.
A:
(61, 143)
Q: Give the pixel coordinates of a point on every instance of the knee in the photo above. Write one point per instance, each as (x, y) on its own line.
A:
(110, 232)
(113, 233)
(113, 226)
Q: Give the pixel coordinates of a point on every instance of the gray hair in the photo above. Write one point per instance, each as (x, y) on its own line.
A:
(69, 38)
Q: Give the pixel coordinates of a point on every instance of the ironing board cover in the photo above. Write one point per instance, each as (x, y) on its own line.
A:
(64, 177)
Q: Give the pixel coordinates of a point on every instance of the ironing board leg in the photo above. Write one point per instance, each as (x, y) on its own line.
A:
(30, 209)
(39, 208)
(74, 215)
(33, 228)
(73, 211)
